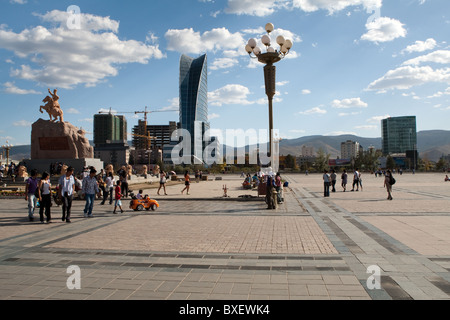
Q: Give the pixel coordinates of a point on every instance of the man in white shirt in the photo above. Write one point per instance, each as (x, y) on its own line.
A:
(66, 191)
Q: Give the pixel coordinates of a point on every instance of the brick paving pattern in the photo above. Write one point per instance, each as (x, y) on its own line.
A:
(203, 246)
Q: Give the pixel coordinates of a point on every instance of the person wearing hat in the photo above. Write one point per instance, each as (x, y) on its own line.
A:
(90, 189)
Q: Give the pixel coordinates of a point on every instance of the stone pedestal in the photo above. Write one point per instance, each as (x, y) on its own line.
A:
(56, 140)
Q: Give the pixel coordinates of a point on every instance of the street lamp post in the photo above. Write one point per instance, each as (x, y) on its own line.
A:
(7, 147)
(269, 58)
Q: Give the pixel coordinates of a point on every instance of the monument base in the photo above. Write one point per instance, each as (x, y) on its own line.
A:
(43, 165)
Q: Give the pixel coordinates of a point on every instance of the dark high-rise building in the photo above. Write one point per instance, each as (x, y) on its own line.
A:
(110, 139)
(194, 101)
(399, 135)
(109, 128)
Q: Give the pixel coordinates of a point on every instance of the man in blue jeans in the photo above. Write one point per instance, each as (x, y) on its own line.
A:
(90, 189)
(30, 191)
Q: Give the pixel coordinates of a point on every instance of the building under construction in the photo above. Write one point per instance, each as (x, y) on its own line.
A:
(149, 141)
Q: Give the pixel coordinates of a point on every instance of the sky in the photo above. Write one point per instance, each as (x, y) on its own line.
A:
(353, 62)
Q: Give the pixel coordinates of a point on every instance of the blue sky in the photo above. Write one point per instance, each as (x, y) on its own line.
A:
(353, 63)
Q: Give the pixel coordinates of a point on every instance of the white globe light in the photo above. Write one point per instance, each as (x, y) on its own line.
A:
(257, 51)
(284, 50)
(248, 49)
(280, 40)
(265, 40)
(269, 27)
(252, 43)
(288, 44)
(271, 50)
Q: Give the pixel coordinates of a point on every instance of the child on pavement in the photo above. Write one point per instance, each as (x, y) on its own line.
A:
(118, 202)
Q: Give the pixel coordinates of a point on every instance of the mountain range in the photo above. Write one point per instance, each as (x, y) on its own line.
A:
(432, 145)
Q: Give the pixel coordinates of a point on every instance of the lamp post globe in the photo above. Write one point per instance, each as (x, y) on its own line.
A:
(269, 58)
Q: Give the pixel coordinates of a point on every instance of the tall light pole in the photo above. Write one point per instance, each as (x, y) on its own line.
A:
(7, 148)
(269, 58)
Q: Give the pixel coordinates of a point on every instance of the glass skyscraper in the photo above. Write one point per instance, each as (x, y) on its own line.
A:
(194, 101)
(399, 135)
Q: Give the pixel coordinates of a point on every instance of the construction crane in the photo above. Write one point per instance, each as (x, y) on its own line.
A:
(146, 112)
(147, 137)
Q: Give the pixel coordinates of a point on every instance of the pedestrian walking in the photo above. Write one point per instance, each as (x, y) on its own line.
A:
(109, 188)
(187, 182)
(360, 181)
(344, 179)
(45, 197)
(355, 180)
(90, 189)
(388, 183)
(333, 177)
(66, 190)
(278, 188)
(162, 182)
(118, 197)
(326, 183)
(124, 183)
(31, 189)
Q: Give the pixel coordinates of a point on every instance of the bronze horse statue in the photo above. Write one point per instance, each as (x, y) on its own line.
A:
(53, 111)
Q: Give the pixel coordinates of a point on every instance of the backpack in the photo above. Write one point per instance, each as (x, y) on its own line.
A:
(392, 181)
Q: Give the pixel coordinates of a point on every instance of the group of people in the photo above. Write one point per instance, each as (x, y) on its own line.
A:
(93, 185)
(330, 181)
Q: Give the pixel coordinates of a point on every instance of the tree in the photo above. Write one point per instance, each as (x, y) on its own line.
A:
(290, 162)
(322, 160)
(390, 163)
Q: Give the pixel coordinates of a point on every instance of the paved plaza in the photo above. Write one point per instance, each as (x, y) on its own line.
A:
(202, 246)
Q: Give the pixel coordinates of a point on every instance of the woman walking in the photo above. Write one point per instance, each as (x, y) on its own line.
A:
(162, 182)
(388, 183)
(187, 182)
(344, 178)
(45, 199)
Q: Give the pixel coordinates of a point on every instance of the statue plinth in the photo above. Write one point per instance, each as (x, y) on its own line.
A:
(59, 140)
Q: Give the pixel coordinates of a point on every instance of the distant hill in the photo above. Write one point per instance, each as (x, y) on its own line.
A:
(432, 145)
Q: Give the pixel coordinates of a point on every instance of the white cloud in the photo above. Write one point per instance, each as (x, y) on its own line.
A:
(383, 30)
(213, 116)
(22, 123)
(230, 94)
(75, 111)
(66, 58)
(346, 114)
(315, 110)
(306, 91)
(440, 93)
(223, 63)
(190, 41)
(12, 89)
(18, 1)
(173, 106)
(421, 46)
(439, 56)
(259, 8)
(407, 77)
(334, 5)
(377, 119)
(367, 127)
(349, 103)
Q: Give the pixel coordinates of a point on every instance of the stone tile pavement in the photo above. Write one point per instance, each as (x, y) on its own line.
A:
(204, 247)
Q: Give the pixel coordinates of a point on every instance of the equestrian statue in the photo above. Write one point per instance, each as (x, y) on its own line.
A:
(52, 107)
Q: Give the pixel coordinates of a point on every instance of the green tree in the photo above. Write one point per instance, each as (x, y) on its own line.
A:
(322, 160)
(290, 162)
(390, 163)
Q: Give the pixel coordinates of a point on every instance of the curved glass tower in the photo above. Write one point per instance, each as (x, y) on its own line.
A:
(194, 101)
